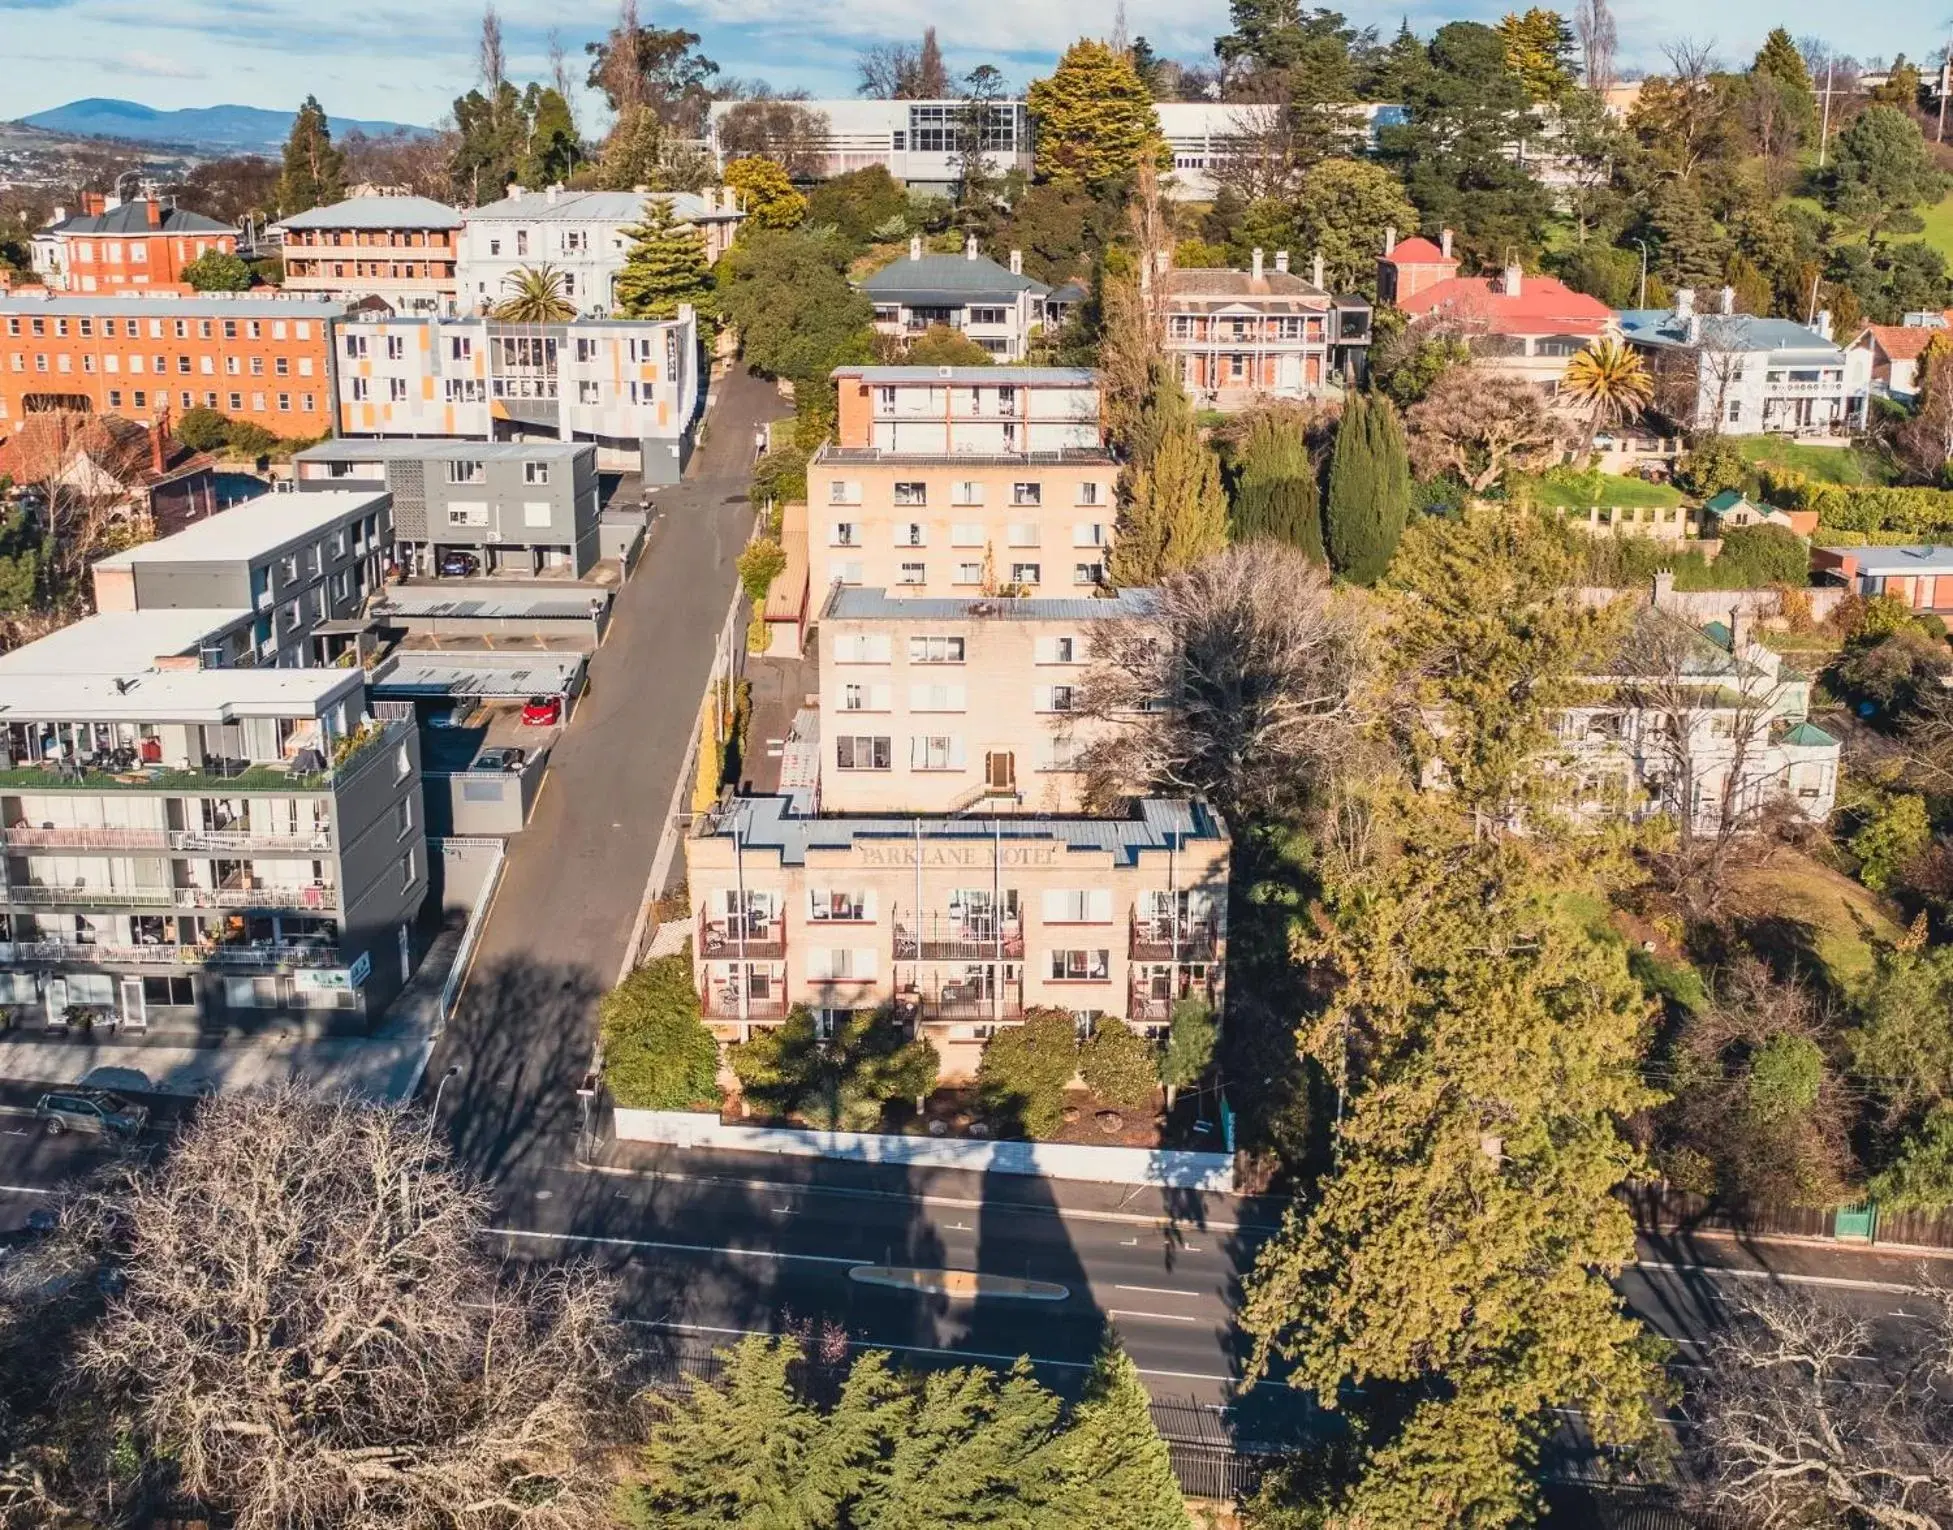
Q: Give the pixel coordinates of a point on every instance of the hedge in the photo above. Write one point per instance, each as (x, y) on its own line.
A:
(1915, 514)
(658, 1054)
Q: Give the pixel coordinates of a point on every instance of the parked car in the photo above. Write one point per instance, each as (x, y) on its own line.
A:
(542, 711)
(91, 1110)
(501, 759)
(451, 716)
(459, 565)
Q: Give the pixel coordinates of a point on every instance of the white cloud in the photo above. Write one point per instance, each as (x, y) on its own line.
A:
(156, 67)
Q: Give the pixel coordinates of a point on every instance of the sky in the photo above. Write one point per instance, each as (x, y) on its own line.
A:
(405, 60)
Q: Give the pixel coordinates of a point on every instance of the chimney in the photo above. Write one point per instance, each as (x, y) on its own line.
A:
(515, 193)
(1684, 302)
(1664, 589)
(1016, 262)
(1444, 242)
(152, 212)
(159, 440)
(1257, 263)
(549, 195)
(1315, 271)
(1823, 324)
(1742, 629)
(915, 247)
(1389, 241)
(1514, 279)
(1281, 261)
(60, 216)
(1728, 300)
(969, 248)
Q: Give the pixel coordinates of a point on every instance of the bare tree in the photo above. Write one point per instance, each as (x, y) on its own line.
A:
(306, 1330)
(562, 80)
(888, 71)
(1480, 424)
(1238, 684)
(1593, 24)
(1816, 1415)
(779, 128)
(494, 62)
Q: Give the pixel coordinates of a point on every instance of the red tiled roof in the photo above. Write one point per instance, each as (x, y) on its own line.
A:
(1543, 305)
(1903, 342)
(1419, 252)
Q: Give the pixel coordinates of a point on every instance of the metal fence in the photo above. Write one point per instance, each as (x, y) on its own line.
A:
(1660, 1207)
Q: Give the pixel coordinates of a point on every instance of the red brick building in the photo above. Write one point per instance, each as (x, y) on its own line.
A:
(116, 247)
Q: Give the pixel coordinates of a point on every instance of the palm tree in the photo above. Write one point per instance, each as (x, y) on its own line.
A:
(1609, 381)
(535, 296)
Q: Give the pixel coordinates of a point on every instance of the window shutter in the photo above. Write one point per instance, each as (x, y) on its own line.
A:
(820, 963)
(878, 697)
(1099, 905)
(864, 962)
(868, 905)
(956, 758)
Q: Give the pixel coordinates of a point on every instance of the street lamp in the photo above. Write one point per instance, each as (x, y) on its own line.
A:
(434, 1115)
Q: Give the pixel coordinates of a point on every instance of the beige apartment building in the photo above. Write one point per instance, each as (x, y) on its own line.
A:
(962, 923)
(947, 705)
(963, 481)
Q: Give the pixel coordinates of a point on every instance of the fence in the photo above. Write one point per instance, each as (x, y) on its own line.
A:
(1660, 1207)
(465, 952)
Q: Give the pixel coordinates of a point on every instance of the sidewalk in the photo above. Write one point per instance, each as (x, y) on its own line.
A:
(384, 1069)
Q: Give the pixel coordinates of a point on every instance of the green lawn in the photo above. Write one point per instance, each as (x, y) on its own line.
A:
(1840, 917)
(1939, 227)
(1614, 490)
(1821, 464)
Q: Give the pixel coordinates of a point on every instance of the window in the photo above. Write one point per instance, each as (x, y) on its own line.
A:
(535, 472)
(233, 366)
(829, 905)
(257, 365)
(139, 399)
(115, 398)
(1026, 573)
(494, 246)
(1735, 414)
(856, 697)
(861, 753)
(1088, 573)
(989, 316)
(466, 471)
(355, 344)
(174, 991)
(409, 871)
(841, 491)
(861, 648)
(1053, 698)
(937, 698)
(1058, 650)
(236, 400)
(1080, 966)
(969, 573)
(913, 573)
(1084, 905)
(251, 993)
(403, 816)
(853, 571)
(282, 367)
(936, 650)
(1088, 534)
(536, 512)
(911, 494)
(396, 390)
(838, 964)
(588, 392)
(966, 534)
(1023, 534)
(460, 347)
(936, 751)
(184, 364)
(1027, 494)
(396, 347)
(844, 534)
(285, 403)
(586, 348)
(471, 513)
(463, 390)
(968, 492)
(1091, 493)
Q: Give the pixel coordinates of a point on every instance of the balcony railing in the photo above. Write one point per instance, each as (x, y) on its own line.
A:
(165, 839)
(961, 1001)
(86, 895)
(1173, 940)
(723, 1004)
(719, 939)
(941, 938)
(1143, 1005)
(265, 954)
(214, 777)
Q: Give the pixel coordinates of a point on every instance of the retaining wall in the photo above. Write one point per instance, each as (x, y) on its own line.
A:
(1051, 1160)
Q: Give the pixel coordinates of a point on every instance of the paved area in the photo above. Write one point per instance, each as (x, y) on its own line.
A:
(556, 935)
(379, 1068)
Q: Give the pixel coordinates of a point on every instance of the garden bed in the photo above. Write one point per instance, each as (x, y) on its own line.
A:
(959, 1112)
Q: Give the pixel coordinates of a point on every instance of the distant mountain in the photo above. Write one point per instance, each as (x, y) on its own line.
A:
(230, 129)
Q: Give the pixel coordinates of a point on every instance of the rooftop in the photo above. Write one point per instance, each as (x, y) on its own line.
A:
(1224, 281)
(1419, 251)
(1540, 301)
(593, 207)
(854, 603)
(133, 218)
(153, 305)
(959, 277)
(376, 212)
(255, 529)
(1069, 456)
(1736, 332)
(119, 642)
(416, 672)
(1155, 823)
(974, 377)
(440, 448)
(1910, 558)
(1903, 342)
(188, 696)
(422, 603)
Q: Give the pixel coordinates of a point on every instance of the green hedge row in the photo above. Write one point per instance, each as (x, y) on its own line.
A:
(1909, 514)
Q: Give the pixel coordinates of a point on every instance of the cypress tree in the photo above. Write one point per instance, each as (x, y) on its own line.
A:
(314, 172)
(1275, 491)
(664, 267)
(1175, 512)
(1117, 1470)
(1369, 490)
(1391, 452)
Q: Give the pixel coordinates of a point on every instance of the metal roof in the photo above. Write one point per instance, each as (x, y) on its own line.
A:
(376, 212)
(132, 218)
(1910, 558)
(1156, 823)
(1809, 736)
(439, 448)
(152, 305)
(255, 529)
(620, 207)
(961, 278)
(428, 604)
(973, 377)
(411, 672)
(120, 642)
(1734, 331)
(872, 605)
(194, 695)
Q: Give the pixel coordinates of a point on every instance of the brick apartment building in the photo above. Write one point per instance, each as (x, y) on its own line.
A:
(395, 248)
(112, 246)
(264, 360)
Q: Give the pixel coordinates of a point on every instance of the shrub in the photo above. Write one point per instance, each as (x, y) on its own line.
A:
(1190, 1044)
(203, 430)
(1713, 464)
(762, 561)
(658, 1054)
(1896, 829)
(1754, 557)
(780, 476)
(217, 271)
(1920, 1178)
(1120, 1066)
(841, 1082)
(1025, 1071)
(249, 440)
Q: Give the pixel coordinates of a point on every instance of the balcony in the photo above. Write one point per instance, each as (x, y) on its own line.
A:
(732, 939)
(946, 938)
(191, 840)
(262, 955)
(234, 894)
(215, 777)
(1166, 939)
(1146, 1006)
(238, 892)
(722, 1003)
(1790, 389)
(965, 1001)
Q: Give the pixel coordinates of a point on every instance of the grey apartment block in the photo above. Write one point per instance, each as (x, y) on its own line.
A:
(294, 563)
(517, 507)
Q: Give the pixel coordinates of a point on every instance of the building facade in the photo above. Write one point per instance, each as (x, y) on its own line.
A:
(266, 361)
(996, 307)
(398, 249)
(962, 482)
(1919, 574)
(580, 236)
(630, 387)
(1749, 376)
(112, 246)
(1238, 337)
(523, 507)
(917, 142)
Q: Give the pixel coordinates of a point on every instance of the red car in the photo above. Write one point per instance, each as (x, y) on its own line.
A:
(542, 711)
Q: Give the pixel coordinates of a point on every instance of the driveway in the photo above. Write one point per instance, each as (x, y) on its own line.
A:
(556, 934)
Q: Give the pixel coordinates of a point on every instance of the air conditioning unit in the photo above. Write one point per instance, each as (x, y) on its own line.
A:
(495, 536)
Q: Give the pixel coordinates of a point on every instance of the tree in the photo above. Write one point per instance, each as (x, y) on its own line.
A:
(1920, 1175)
(1369, 489)
(1174, 511)
(1455, 1262)
(1609, 384)
(779, 128)
(1190, 1044)
(1593, 24)
(1057, 227)
(1925, 441)
(941, 346)
(861, 206)
(217, 271)
(1119, 1066)
(1904, 1034)
(1275, 493)
(904, 71)
(1689, 251)
(932, 79)
(1023, 1081)
(661, 70)
(304, 1325)
(535, 296)
(231, 189)
(796, 313)
(1480, 425)
(1094, 120)
(314, 172)
(766, 194)
(1239, 686)
(1881, 172)
(658, 1054)
(1782, 107)
(1116, 1467)
(840, 1081)
(977, 123)
(1539, 49)
(1813, 1414)
(664, 267)
(1342, 208)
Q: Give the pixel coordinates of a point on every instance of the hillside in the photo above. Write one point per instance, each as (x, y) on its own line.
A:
(227, 129)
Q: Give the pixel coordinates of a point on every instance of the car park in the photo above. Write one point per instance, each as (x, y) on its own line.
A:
(459, 565)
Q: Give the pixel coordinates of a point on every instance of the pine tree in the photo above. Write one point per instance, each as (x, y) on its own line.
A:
(1275, 493)
(1369, 490)
(664, 267)
(1117, 1470)
(314, 172)
(1176, 511)
(1095, 120)
(634, 153)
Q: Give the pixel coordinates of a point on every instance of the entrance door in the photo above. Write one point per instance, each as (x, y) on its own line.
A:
(57, 1001)
(134, 1015)
(1000, 769)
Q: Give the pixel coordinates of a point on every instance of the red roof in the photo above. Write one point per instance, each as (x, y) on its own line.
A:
(1543, 305)
(1419, 252)
(1904, 342)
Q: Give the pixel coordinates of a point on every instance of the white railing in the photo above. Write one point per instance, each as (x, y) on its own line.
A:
(170, 955)
(165, 839)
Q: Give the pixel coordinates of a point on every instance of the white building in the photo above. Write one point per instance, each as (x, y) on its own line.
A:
(1205, 135)
(998, 308)
(915, 141)
(578, 234)
(1751, 376)
(631, 386)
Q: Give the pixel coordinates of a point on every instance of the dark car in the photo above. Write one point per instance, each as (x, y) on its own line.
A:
(542, 711)
(501, 759)
(459, 565)
(91, 1110)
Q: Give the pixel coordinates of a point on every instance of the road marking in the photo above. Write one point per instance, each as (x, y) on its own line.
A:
(26, 1190)
(1159, 1291)
(1839, 1282)
(672, 1248)
(1157, 1317)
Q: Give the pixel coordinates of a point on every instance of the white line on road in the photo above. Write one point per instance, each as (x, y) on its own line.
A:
(1159, 1290)
(1839, 1281)
(25, 1190)
(672, 1248)
(1157, 1317)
